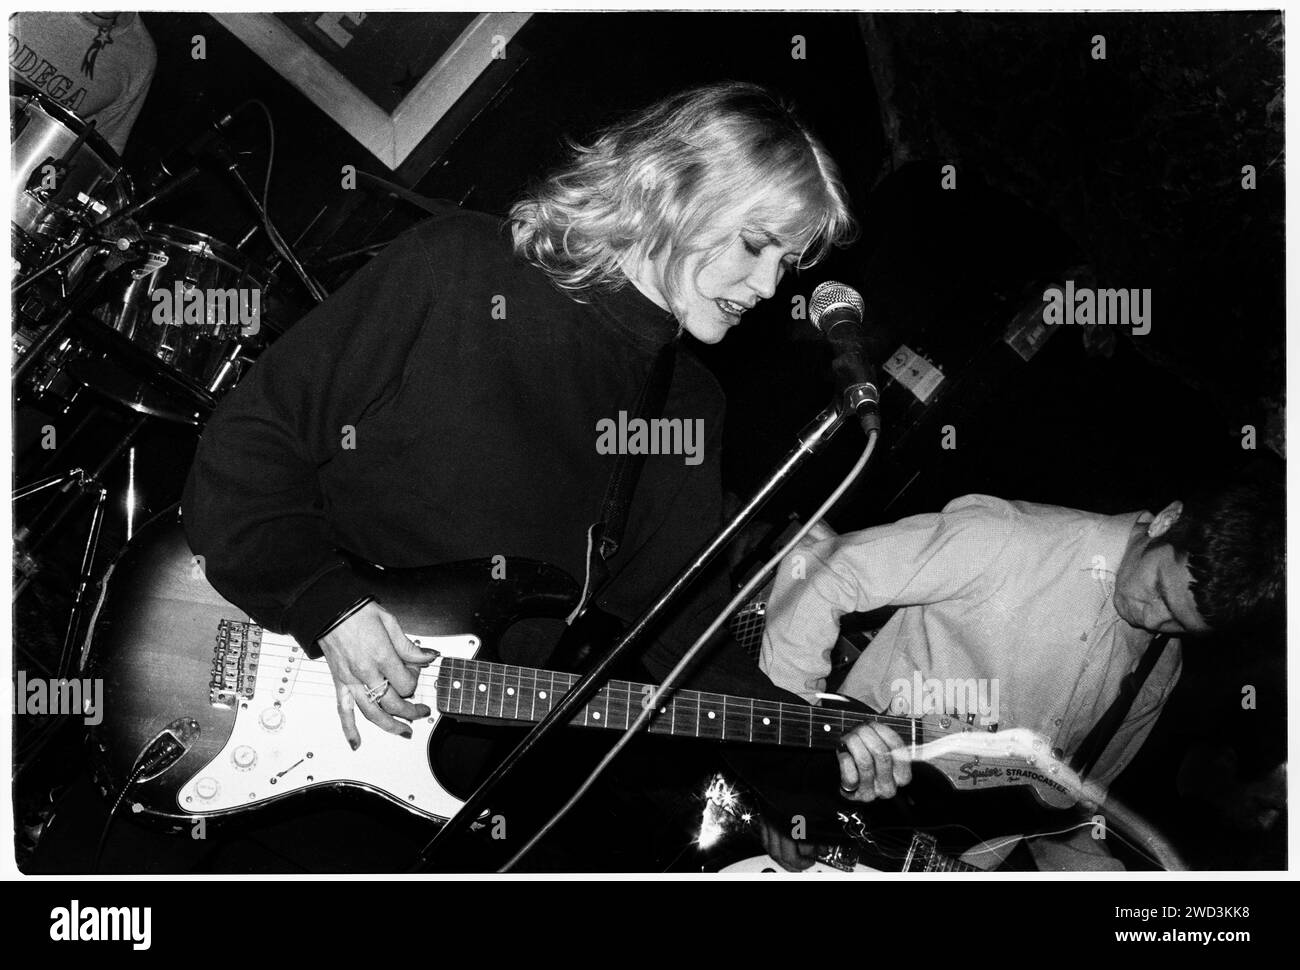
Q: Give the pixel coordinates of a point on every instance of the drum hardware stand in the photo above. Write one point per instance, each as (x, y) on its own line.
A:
(50, 266)
(122, 252)
(27, 566)
(247, 238)
(232, 166)
(93, 412)
(72, 485)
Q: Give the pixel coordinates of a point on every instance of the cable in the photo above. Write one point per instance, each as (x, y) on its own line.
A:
(272, 233)
(112, 814)
(654, 701)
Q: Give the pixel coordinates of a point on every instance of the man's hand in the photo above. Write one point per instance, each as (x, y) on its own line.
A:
(365, 649)
(793, 855)
(873, 763)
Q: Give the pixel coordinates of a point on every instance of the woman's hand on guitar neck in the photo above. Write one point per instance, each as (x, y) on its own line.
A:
(364, 650)
(873, 763)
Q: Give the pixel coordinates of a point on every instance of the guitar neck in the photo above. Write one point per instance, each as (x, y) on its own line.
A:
(477, 688)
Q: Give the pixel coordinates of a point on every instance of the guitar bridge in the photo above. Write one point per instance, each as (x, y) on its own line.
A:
(234, 663)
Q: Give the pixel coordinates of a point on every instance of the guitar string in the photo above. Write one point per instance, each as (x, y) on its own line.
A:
(505, 675)
(501, 675)
(310, 677)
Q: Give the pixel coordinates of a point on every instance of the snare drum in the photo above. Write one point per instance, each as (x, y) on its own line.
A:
(64, 178)
(192, 309)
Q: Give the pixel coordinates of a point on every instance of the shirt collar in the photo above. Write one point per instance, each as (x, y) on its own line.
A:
(123, 19)
(1109, 543)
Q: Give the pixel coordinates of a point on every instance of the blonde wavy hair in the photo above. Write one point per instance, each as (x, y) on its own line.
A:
(683, 176)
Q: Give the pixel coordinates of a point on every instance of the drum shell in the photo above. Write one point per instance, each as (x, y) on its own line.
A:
(178, 307)
(94, 185)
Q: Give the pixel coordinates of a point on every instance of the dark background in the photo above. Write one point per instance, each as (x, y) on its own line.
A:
(1126, 172)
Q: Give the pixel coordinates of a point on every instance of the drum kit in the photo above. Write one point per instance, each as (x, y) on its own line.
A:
(154, 318)
(135, 340)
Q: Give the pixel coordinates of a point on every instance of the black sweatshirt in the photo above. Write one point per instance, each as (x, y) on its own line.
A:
(443, 405)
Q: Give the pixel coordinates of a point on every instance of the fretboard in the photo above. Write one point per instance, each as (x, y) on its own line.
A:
(476, 688)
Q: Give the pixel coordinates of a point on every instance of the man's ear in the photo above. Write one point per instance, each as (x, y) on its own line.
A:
(1165, 519)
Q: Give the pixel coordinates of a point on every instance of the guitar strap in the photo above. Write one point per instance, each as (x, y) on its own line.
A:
(1104, 730)
(605, 535)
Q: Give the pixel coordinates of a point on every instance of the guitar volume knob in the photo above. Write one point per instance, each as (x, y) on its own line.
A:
(207, 788)
(244, 757)
(272, 719)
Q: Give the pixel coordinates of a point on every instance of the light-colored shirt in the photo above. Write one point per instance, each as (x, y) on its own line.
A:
(52, 52)
(1014, 595)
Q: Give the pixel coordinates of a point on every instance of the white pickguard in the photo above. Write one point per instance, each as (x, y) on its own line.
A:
(287, 739)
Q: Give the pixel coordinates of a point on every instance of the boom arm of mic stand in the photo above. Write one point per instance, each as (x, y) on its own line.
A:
(811, 440)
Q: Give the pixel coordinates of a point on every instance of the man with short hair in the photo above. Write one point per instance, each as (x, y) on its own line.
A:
(1055, 606)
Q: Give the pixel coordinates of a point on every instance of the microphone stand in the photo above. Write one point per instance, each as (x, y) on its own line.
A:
(812, 439)
(232, 166)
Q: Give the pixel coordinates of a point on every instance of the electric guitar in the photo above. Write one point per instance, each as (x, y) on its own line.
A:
(922, 855)
(206, 714)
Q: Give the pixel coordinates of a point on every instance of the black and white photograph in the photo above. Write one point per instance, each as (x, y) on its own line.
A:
(770, 445)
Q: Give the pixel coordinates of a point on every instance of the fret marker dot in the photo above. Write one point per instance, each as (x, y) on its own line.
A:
(482, 687)
(510, 691)
(826, 727)
(663, 710)
(712, 715)
(595, 715)
(767, 720)
(542, 694)
(455, 685)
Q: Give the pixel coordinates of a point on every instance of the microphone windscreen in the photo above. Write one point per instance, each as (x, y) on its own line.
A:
(829, 295)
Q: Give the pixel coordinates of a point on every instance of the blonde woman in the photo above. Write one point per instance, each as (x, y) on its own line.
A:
(443, 405)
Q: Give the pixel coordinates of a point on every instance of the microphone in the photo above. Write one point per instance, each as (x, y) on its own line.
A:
(836, 310)
(180, 159)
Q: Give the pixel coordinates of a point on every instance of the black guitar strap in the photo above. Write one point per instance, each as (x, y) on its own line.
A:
(606, 534)
(1104, 730)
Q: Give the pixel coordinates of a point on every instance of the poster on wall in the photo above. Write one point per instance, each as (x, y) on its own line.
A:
(385, 78)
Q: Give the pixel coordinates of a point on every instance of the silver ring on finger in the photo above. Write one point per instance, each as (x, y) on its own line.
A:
(379, 690)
